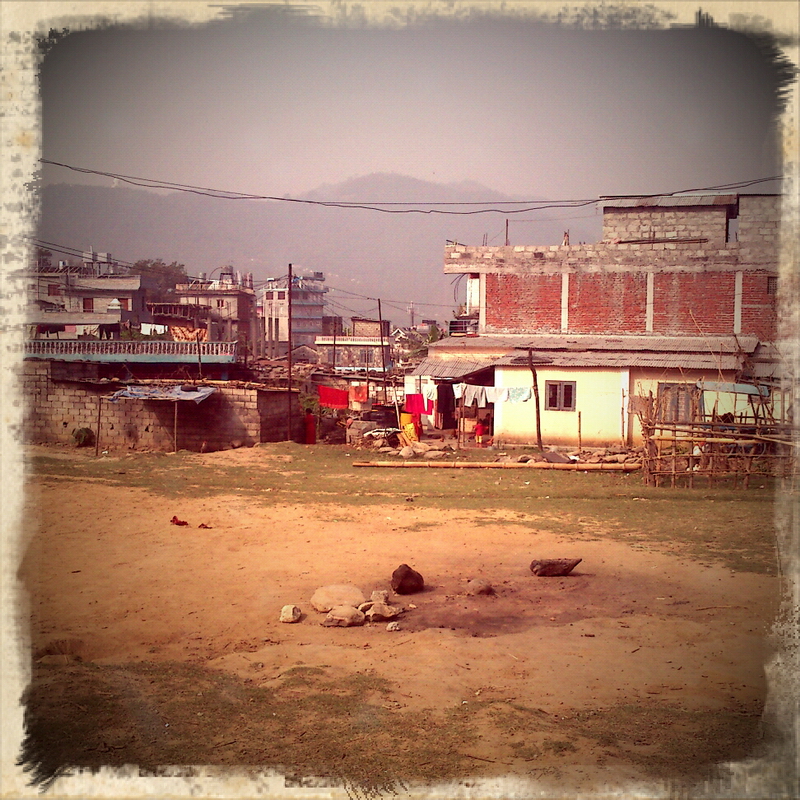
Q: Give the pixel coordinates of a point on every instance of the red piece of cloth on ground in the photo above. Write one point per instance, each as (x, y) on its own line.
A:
(332, 398)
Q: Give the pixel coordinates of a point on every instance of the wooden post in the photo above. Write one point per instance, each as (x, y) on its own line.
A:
(289, 359)
(97, 437)
(580, 445)
(396, 405)
(536, 400)
(199, 359)
(175, 428)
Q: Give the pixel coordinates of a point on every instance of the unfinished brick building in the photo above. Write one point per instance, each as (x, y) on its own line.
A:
(679, 266)
(679, 291)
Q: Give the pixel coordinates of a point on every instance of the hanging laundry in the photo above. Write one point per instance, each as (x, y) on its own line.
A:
(496, 394)
(332, 398)
(359, 393)
(430, 391)
(417, 404)
(519, 394)
(445, 406)
(458, 390)
(474, 394)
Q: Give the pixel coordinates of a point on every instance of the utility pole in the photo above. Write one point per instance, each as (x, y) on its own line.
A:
(411, 312)
(289, 357)
(383, 353)
(507, 233)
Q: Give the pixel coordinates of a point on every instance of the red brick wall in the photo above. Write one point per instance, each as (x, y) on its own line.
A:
(684, 303)
(523, 303)
(759, 312)
(612, 302)
(692, 304)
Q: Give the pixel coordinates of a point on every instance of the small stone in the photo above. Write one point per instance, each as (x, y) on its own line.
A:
(290, 613)
(381, 611)
(555, 457)
(406, 580)
(328, 597)
(479, 586)
(380, 596)
(59, 659)
(393, 626)
(343, 617)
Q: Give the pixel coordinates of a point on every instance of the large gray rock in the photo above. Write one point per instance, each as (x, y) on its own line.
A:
(328, 597)
(407, 452)
(343, 617)
(554, 567)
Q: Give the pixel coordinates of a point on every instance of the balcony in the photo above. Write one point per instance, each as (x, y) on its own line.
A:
(465, 326)
(131, 351)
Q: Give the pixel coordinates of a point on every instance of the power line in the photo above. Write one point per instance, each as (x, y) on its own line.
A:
(70, 251)
(381, 206)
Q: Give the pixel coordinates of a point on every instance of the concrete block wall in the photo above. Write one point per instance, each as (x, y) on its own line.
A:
(760, 232)
(679, 222)
(231, 417)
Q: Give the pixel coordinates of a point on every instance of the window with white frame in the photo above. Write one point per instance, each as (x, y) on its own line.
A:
(559, 395)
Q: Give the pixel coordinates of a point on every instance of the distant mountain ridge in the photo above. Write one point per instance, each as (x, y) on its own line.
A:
(398, 257)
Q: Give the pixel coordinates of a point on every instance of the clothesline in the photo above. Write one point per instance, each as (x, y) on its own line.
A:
(483, 395)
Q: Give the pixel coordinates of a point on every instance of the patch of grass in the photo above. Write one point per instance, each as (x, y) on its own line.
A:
(734, 527)
(670, 742)
(558, 746)
(87, 715)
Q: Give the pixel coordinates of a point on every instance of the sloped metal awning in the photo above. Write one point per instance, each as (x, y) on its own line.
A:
(734, 388)
(167, 393)
(450, 369)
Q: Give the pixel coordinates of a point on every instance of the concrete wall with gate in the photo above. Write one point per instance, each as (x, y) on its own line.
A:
(58, 403)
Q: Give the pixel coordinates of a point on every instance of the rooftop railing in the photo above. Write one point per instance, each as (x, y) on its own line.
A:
(130, 350)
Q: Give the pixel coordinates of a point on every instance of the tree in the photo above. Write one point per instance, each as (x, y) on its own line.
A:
(43, 258)
(165, 276)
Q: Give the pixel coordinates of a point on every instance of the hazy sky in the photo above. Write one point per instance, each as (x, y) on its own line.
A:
(271, 104)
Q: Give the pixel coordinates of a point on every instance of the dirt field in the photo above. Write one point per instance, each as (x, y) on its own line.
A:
(160, 644)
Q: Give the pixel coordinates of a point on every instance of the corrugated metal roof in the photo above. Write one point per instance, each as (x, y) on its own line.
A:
(548, 345)
(683, 200)
(173, 393)
(451, 368)
(629, 359)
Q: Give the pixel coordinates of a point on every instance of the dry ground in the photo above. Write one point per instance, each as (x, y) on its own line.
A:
(645, 664)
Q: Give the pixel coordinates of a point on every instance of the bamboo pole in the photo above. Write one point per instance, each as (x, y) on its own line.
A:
(576, 467)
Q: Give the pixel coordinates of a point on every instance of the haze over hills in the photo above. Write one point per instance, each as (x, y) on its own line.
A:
(397, 257)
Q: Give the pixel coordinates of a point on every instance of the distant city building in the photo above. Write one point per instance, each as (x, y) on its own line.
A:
(308, 301)
(367, 349)
(221, 310)
(94, 299)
